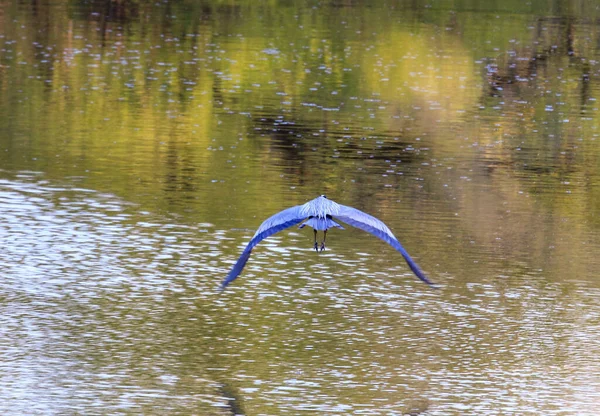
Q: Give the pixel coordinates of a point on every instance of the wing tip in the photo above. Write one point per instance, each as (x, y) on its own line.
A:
(230, 278)
(429, 282)
(417, 270)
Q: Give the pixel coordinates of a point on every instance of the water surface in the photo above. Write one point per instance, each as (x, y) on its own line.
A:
(142, 144)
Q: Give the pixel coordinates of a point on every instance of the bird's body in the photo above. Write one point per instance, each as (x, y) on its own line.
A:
(319, 214)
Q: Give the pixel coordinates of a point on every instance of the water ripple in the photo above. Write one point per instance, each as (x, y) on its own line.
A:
(108, 308)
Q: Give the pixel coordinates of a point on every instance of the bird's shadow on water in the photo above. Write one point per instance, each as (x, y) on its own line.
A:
(234, 400)
(417, 408)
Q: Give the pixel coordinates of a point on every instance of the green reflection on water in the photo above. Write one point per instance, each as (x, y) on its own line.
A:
(177, 97)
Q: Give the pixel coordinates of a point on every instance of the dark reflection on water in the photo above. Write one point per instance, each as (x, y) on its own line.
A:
(108, 308)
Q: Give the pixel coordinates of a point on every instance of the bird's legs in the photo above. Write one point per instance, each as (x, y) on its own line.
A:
(323, 242)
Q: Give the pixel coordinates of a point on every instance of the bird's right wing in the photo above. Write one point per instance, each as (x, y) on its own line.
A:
(372, 225)
(270, 226)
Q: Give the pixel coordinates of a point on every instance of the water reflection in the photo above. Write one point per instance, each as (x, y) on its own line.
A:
(140, 141)
(84, 282)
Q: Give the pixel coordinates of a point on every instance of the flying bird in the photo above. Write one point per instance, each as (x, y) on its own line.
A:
(319, 214)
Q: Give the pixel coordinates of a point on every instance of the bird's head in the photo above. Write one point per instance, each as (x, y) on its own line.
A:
(323, 196)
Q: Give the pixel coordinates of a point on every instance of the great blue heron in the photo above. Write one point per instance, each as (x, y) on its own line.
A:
(319, 214)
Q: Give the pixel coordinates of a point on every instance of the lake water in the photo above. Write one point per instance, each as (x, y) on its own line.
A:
(142, 144)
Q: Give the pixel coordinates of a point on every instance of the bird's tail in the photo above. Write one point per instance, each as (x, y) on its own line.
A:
(321, 223)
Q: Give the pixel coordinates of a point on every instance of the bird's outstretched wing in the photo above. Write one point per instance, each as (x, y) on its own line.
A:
(270, 226)
(370, 224)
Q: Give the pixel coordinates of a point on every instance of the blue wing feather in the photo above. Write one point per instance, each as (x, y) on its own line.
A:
(372, 225)
(270, 226)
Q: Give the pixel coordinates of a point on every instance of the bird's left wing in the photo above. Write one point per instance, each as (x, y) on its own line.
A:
(372, 225)
(270, 226)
